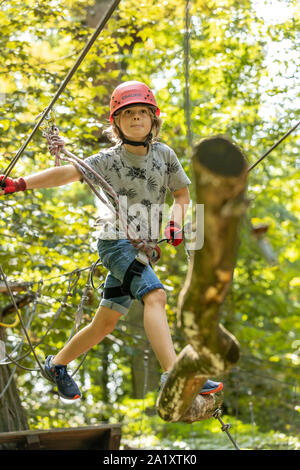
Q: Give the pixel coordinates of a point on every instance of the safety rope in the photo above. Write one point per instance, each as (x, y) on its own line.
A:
(56, 146)
(122, 331)
(225, 427)
(71, 286)
(187, 53)
(274, 146)
(21, 319)
(84, 298)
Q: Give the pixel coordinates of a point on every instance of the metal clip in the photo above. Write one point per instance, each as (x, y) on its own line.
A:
(142, 258)
(49, 121)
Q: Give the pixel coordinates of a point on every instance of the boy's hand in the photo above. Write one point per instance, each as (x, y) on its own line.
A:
(11, 185)
(173, 232)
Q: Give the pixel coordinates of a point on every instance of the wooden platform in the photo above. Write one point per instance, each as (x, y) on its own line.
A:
(100, 437)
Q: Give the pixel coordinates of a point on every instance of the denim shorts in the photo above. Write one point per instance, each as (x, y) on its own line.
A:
(116, 256)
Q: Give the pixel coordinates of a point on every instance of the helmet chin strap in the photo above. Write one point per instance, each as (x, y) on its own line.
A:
(133, 142)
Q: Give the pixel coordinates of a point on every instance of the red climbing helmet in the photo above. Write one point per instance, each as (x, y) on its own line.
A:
(131, 92)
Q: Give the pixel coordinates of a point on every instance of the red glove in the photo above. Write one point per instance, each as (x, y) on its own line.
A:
(173, 233)
(12, 186)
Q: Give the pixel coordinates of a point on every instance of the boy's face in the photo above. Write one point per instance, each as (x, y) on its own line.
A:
(135, 122)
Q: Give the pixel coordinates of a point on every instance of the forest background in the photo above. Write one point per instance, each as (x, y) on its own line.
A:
(242, 81)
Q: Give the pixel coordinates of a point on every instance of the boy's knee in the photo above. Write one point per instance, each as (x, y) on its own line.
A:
(155, 296)
(103, 324)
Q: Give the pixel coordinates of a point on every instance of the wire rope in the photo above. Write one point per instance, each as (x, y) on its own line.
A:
(63, 85)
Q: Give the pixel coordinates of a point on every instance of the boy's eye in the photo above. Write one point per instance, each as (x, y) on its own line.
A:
(129, 112)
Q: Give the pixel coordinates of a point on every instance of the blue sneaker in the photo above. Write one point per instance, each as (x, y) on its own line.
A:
(57, 374)
(209, 387)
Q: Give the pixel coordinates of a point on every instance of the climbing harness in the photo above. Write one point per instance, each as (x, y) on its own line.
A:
(134, 269)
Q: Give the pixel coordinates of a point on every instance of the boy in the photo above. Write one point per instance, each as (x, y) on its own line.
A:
(140, 170)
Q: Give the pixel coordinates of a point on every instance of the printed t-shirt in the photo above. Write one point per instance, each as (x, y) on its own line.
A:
(141, 184)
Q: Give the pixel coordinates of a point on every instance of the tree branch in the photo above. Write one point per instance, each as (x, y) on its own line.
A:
(15, 287)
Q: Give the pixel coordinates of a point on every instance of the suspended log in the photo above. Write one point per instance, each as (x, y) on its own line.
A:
(220, 176)
(182, 388)
(15, 287)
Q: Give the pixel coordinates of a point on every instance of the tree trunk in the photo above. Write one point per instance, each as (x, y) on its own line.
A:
(12, 414)
(220, 172)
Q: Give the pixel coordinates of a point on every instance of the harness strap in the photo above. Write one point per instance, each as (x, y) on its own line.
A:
(134, 269)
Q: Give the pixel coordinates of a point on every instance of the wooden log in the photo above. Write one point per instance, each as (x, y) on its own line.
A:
(15, 287)
(182, 386)
(220, 175)
(220, 170)
(98, 437)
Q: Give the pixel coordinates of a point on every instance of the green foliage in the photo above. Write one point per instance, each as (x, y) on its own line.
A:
(239, 86)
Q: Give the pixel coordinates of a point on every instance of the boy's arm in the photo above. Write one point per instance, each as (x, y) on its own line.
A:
(50, 178)
(173, 230)
(180, 206)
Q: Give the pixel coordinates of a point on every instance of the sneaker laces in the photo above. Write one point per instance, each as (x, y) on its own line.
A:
(62, 374)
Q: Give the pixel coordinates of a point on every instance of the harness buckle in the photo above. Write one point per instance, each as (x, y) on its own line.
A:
(142, 258)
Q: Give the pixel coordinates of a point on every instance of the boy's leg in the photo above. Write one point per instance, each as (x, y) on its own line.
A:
(102, 324)
(55, 367)
(157, 328)
(158, 332)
